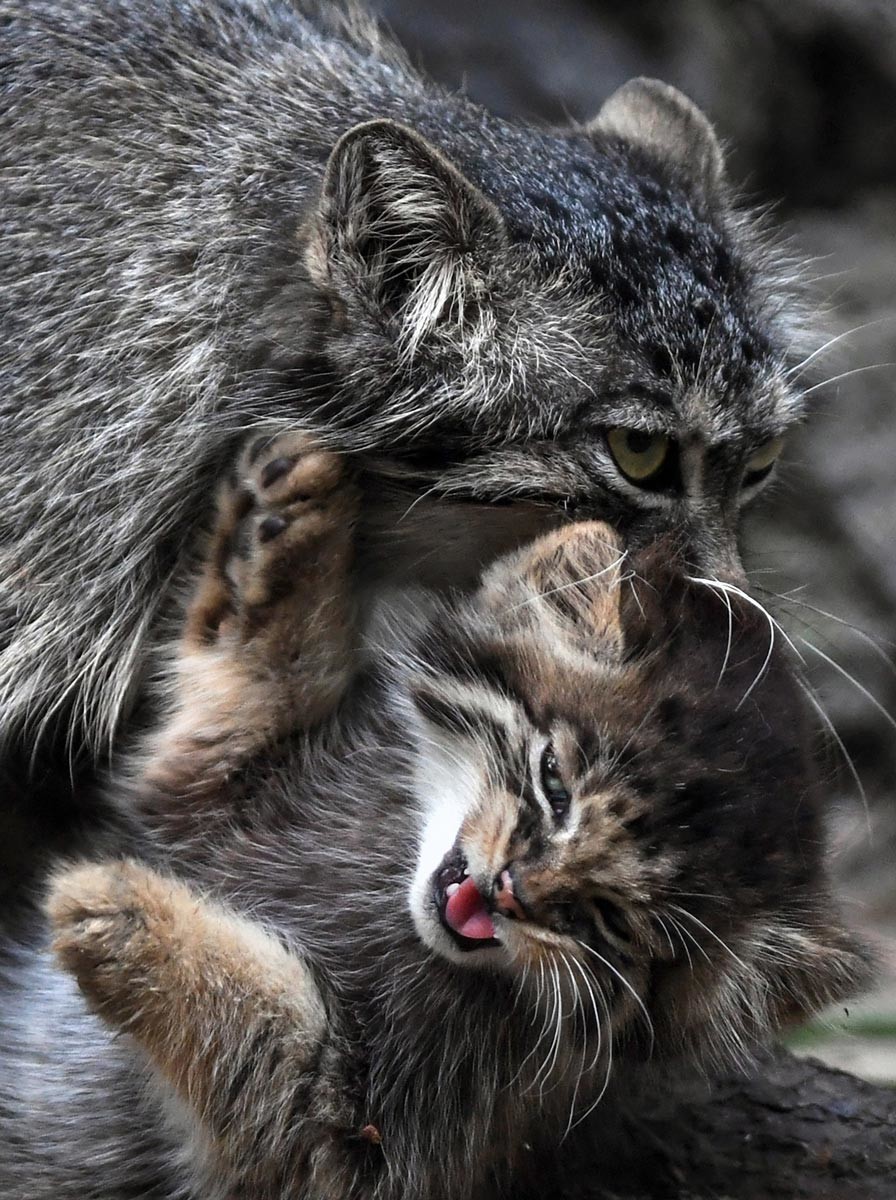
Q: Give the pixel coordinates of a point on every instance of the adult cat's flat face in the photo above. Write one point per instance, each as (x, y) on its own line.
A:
(577, 324)
(615, 794)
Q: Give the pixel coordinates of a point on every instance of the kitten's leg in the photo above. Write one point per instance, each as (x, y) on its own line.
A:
(268, 643)
(232, 1020)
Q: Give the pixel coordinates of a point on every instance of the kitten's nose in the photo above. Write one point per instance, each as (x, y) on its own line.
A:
(504, 898)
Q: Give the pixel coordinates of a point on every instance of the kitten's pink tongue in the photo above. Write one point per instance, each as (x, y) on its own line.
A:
(466, 913)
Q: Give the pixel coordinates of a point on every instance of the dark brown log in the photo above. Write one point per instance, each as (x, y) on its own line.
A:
(793, 1129)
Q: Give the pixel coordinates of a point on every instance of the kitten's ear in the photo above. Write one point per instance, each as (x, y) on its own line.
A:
(659, 118)
(404, 230)
(804, 969)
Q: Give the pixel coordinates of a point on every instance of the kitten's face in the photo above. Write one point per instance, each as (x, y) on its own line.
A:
(600, 800)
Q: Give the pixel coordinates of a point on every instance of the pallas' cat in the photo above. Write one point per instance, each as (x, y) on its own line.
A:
(566, 828)
(222, 212)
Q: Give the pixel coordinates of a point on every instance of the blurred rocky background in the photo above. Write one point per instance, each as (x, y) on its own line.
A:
(804, 93)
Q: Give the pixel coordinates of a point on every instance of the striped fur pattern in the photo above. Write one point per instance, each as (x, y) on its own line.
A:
(225, 214)
(617, 793)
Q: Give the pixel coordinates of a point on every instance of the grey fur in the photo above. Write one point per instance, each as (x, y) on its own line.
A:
(689, 806)
(177, 270)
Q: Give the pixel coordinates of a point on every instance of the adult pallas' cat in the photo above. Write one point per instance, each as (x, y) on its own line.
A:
(221, 212)
(569, 826)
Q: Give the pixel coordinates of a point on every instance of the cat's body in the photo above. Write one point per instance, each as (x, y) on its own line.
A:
(186, 255)
(569, 826)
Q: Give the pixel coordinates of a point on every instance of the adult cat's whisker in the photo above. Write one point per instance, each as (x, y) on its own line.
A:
(875, 641)
(796, 371)
(847, 757)
(872, 699)
(846, 375)
(563, 587)
(720, 587)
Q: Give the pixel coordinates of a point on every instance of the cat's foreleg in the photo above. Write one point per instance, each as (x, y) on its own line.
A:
(268, 644)
(231, 1019)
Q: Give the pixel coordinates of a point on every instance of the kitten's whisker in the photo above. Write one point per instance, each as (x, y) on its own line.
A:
(686, 933)
(685, 913)
(603, 1091)
(662, 924)
(558, 1029)
(588, 978)
(577, 1004)
(625, 983)
(549, 976)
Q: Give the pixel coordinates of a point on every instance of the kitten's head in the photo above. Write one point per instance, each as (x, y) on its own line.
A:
(616, 786)
(578, 320)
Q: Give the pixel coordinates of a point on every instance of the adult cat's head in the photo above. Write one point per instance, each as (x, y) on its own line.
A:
(573, 323)
(618, 798)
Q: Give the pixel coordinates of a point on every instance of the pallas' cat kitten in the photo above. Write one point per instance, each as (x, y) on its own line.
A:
(569, 824)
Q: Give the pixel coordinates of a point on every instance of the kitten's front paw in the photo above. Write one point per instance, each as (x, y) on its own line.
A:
(100, 915)
(297, 499)
(283, 533)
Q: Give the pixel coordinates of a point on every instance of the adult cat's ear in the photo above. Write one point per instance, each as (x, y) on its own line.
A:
(400, 228)
(669, 126)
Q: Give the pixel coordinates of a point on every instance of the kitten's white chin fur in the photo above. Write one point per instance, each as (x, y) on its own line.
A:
(446, 787)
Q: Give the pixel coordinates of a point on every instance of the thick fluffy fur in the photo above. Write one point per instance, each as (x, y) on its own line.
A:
(229, 213)
(625, 791)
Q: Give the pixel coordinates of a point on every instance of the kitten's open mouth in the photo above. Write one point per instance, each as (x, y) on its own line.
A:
(462, 908)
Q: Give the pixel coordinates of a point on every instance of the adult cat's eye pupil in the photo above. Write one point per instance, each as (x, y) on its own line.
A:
(637, 441)
(555, 790)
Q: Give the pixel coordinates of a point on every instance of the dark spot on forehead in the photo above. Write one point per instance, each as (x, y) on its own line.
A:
(724, 267)
(549, 204)
(704, 311)
(681, 240)
(647, 391)
(661, 360)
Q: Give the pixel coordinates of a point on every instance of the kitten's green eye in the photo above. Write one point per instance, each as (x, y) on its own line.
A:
(552, 784)
(638, 455)
(762, 460)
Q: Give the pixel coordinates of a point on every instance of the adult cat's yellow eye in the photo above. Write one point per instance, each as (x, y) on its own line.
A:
(637, 454)
(762, 460)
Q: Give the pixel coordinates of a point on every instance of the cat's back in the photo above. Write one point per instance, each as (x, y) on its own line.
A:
(156, 160)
